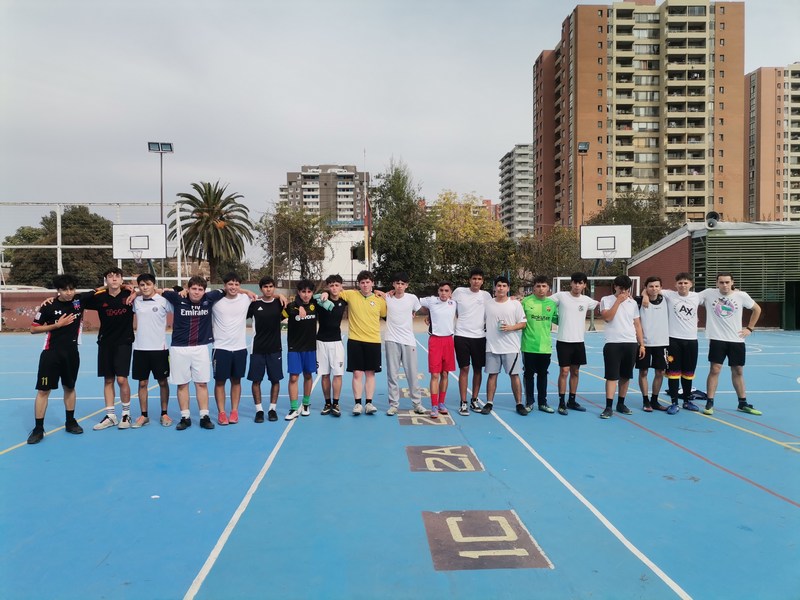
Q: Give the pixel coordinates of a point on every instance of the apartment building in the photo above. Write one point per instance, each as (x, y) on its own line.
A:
(516, 191)
(336, 192)
(651, 95)
(772, 126)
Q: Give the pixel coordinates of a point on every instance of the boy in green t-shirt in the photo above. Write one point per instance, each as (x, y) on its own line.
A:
(541, 313)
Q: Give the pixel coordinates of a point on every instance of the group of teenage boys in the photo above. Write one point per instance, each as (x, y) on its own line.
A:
(467, 326)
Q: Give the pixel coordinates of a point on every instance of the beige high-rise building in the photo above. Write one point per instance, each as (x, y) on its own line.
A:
(516, 191)
(639, 97)
(772, 128)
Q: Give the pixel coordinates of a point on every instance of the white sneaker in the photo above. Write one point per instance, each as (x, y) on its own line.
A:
(140, 422)
(125, 423)
(420, 410)
(392, 411)
(357, 409)
(106, 422)
(291, 416)
(370, 408)
(306, 410)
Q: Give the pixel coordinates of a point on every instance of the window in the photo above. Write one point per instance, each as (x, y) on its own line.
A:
(599, 202)
(722, 106)
(600, 172)
(599, 124)
(599, 92)
(721, 89)
(721, 169)
(599, 187)
(721, 185)
(721, 201)
(721, 121)
(600, 13)
(722, 10)
(600, 44)
(722, 25)
(599, 77)
(721, 137)
(599, 61)
(722, 74)
(721, 41)
(599, 156)
(599, 29)
(599, 108)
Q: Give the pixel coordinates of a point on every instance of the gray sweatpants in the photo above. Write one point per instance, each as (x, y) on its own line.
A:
(397, 355)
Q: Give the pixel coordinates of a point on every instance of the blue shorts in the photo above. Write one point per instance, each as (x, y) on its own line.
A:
(229, 364)
(302, 362)
(271, 364)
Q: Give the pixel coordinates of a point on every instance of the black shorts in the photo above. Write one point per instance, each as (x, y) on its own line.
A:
(269, 364)
(655, 357)
(229, 364)
(571, 354)
(146, 362)
(58, 364)
(470, 350)
(718, 351)
(619, 358)
(682, 359)
(363, 356)
(114, 360)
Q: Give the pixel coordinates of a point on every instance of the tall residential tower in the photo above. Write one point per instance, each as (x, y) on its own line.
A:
(516, 191)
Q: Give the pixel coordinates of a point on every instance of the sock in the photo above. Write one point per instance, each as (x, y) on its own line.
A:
(126, 409)
(144, 414)
(163, 412)
(434, 400)
(609, 402)
(40, 423)
(644, 399)
(687, 388)
(357, 400)
(204, 413)
(561, 400)
(327, 400)
(653, 398)
(185, 413)
(293, 404)
(272, 406)
(742, 401)
(259, 407)
(620, 400)
(441, 398)
(70, 415)
(335, 401)
(369, 400)
(572, 398)
(709, 402)
(307, 400)
(110, 412)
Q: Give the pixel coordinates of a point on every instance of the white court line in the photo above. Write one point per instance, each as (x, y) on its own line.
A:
(226, 533)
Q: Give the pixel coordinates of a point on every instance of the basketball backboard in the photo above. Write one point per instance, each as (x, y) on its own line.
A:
(140, 242)
(605, 242)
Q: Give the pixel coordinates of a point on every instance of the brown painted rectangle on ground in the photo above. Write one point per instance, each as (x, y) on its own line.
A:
(410, 418)
(438, 459)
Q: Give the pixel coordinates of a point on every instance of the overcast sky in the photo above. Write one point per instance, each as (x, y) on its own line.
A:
(248, 90)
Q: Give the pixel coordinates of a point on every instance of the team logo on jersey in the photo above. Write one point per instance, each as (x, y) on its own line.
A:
(580, 308)
(312, 307)
(372, 303)
(58, 312)
(155, 309)
(724, 308)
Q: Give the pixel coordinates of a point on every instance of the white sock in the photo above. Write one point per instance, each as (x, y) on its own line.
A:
(126, 409)
(204, 413)
(259, 407)
(273, 406)
(185, 414)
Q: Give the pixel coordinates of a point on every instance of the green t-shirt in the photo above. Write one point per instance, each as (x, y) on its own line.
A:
(540, 315)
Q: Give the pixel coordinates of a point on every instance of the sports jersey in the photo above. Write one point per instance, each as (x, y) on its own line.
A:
(471, 313)
(330, 321)
(229, 317)
(655, 321)
(400, 319)
(63, 337)
(267, 316)
(116, 317)
(539, 314)
(620, 329)
(365, 314)
(572, 312)
(442, 315)
(151, 322)
(302, 331)
(724, 314)
(682, 314)
(191, 325)
(509, 312)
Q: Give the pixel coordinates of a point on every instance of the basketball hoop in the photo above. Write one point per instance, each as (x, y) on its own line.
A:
(137, 257)
(609, 255)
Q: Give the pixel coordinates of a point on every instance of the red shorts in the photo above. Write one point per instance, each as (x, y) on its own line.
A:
(441, 354)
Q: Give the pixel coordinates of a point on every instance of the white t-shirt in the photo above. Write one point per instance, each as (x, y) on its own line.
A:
(442, 315)
(620, 329)
(682, 314)
(655, 323)
(471, 312)
(509, 312)
(229, 318)
(572, 313)
(400, 319)
(151, 322)
(724, 314)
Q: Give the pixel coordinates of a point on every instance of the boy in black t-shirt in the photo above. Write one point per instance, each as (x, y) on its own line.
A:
(267, 314)
(330, 350)
(302, 341)
(61, 320)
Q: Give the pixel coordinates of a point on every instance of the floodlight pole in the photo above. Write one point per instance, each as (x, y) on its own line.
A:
(161, 148)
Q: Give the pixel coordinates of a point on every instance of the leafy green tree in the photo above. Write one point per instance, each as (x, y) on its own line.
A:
(216, 227)
(556, 253)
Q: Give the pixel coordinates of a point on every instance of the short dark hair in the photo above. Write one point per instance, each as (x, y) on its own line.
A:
(197, 280)
(476, 271)
(65, 282)
(333, 279)
(231, 277)
(400, 276)
(724, 274)
(541, 279)
(365, 275)
(112, 271)
(441, 284)
(579, 277)
(651, 279)
(623, 281)
(146, 277)
(501, 279)
(683, 275)
(266, 280)
(305, 284)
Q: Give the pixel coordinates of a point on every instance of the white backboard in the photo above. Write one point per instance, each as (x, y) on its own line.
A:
(140, 241)
(605, 241)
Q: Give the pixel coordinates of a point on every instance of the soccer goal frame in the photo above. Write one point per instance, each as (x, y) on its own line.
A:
(559, 281)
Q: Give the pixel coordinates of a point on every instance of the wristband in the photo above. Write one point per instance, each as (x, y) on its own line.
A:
(749, 328)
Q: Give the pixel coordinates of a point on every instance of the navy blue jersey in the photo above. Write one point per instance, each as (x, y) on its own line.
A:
(191, 324)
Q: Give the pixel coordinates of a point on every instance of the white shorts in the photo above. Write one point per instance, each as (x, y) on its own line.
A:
(510, 363)
(330, 358)
(189, 364)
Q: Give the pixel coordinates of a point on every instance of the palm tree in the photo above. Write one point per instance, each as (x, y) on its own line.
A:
(216, 227)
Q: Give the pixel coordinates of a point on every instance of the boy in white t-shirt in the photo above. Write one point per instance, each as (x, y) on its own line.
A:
(441, 354)
(653, 312)
(624, 343)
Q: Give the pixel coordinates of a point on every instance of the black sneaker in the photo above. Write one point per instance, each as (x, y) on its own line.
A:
(336, 411)
(36, 436)
(622, 409)
(205, 423)
(272, 415)
(487, 408)
(326, 410)
(562, 410)
(463, 409)
(575, 406)
(259, 416)
(475, 405)
(521, 410)
(606, 414)
(72, 426)
(184, 423)
(656, 405)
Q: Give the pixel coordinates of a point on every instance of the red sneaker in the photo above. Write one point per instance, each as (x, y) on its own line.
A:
(222, 419)
(234, 418)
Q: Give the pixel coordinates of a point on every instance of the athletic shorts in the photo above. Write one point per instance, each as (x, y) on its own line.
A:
(150, 361)
(571, 354)
(269, 364)
(229, 364)
(619, 358)
(189, 363)
(301, 362)
(682, 358)
(470, 350)
(330, 358)
(55, 365)
(441, 354)
(114, 360)
(363, 356)
(718, 351)
(655, 357)
(510, 363)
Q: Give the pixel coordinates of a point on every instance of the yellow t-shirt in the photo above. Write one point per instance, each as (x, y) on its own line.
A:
(364, 315)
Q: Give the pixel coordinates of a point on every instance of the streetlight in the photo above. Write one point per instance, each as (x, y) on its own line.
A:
(161, 148)
(583, 150)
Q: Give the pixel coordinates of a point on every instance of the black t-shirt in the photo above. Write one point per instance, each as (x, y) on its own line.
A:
(330, 322)
(302, 331)
(116, 317)
(267, 317)
(63, 337)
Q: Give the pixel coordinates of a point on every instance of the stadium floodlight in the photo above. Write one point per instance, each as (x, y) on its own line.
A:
(161, 148)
